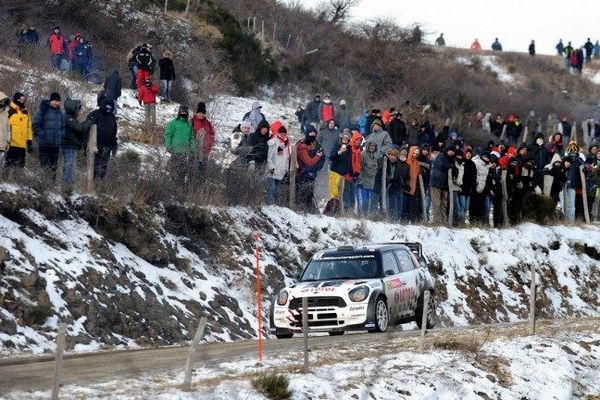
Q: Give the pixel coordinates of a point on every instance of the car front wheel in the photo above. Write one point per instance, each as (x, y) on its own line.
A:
(431, 312)
(382, 315)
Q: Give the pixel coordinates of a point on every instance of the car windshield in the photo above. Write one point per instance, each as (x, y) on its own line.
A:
(350, 267)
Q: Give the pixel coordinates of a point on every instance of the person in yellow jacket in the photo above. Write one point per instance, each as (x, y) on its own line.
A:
(4, 127)
(21, 132)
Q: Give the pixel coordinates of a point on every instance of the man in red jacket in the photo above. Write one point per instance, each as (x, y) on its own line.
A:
(203, 130)
(56, 43)
(147, 96)
(310, 161)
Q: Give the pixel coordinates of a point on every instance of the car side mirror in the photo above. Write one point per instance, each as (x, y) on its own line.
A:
(389, 272)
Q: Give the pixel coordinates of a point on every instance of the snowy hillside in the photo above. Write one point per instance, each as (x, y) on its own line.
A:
(128, 275)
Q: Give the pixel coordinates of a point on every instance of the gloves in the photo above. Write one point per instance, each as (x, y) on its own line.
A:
(537, 190)
(29, 146)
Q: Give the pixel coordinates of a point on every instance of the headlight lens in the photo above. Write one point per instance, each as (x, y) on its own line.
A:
(359, 294)
(282, 298)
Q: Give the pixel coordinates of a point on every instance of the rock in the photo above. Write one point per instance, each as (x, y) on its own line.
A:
(43, 299)
(483, 395)
(568, 350)
(491, 378)
(28, 281)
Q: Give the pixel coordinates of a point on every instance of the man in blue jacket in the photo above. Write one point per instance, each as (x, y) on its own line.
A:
(49, 129)
(439, 184)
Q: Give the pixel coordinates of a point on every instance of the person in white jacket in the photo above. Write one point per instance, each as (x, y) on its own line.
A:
(4, 127)
(278, 163)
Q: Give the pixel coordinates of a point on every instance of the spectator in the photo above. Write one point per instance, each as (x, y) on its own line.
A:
(56, 43)
(112, 87)
(326, 110)
(425, 174)
(27, 38)
(514, 129)
(591, 156)
(83, 56)
(341, 164)
(396, 129)
(147, 96)
(480, 202)
(564, 127)
(597, 49)
(568, 53)
(595, 178)
(589, 47)
(167, 74)
(20, 134)
(369, 121)
(243, 149)
(204, 132)
(258, 140)
(539, 153)
(417, 35)
(454, 188)
(532, 123)
(179, 142)
(468, 187)
(555, 146)
(440, 42)
(106, 137)
(532, 48)
(497, 125)
(394, 183)
(310, 162)
(300, 115)
(412, 196)
(560, 48)
(352, 178)
(72, 42)
(370, 163)
(476, 45)
(5, 135)
(278, 163)
(132, 64)
(145, 65)
(574, 184)
(255, 116)
(496, 46)
(379, 136)
(439, 184)
(342, 116)
(75, 136)
(49, 130)
(312, 112)
(327, 139)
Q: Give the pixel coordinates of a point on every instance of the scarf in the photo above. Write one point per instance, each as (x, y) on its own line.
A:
(414, 170)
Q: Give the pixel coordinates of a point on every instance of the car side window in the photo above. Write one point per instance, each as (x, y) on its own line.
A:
(389, 263)
(406, 262)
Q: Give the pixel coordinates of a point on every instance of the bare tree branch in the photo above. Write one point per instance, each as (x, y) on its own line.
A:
(336, 11)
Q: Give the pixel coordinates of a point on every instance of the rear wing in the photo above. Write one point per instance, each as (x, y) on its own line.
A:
(417, 250)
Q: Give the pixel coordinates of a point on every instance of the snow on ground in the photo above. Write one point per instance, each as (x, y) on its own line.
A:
(547, 367)
(491, 63)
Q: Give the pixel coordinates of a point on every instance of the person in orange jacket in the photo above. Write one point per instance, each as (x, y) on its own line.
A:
(56, 43)
(476, 45)
(147, 96)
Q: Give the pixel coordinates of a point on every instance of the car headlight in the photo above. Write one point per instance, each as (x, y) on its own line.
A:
(359, 294)
(282, 298)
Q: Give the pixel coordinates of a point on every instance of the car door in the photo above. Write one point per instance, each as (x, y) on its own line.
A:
(409, 277)
(391, 283)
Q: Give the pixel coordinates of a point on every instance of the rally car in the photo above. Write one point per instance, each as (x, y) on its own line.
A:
(357, 288)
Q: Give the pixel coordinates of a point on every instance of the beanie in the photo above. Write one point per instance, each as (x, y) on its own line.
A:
(55, 96)
(201, 108)
(17, 96)
(183, 110)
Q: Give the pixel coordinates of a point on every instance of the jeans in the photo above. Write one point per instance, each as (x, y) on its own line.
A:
(350, 196)
(395, 205)
(69, 164)
(461, 206)
(81, 69)
(571, 204)
(49, 158)
(55, 60)
(166, 88)
(273, 186)
(133, 70)
(364, 197)
(427, 208)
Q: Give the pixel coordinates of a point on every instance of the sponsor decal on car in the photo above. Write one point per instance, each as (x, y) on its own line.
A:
(357, 308)
(370, 325)
(318, 289)
(393, 283)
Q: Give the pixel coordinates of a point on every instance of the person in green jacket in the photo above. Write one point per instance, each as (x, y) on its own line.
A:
(370, 162)
(180, 143)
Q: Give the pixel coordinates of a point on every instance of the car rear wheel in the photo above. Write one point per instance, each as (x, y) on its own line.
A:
(431, 312)
(382, 315)
(336, 333)
(284, 335)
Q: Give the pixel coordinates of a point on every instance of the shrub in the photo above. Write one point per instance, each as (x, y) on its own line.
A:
(273, 386)
(538, 208)
(38, 314)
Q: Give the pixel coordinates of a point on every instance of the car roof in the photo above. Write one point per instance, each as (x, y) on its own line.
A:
(360, 249)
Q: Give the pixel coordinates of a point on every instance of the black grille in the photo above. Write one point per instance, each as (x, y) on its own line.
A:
(319, 302)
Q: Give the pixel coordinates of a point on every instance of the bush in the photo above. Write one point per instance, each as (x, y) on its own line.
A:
(37, 315)
(273, 386)
(538, 208)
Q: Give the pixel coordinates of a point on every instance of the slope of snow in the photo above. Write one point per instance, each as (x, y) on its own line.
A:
(491, 63)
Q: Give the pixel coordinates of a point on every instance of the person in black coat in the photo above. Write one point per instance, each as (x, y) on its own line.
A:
(167, 74)
(396, 128)
(106, 136)
(469, 181)
(113, 86)
(258, 140)
(539, 153)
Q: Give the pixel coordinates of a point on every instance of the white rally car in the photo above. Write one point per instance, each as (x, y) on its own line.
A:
(357, 288)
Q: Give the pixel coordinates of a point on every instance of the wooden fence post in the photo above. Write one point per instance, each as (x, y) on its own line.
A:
(187, 379)
(253, 24)
(60, 349)
(424, 320)
(586, 211)
(422, 190)
(262, 31)
(287, 45)
(305, 331)
(504, 196)
(384, 199)
(503, 135)
(91, 154)
(249, 23)
(526, 134)
(532, 302)
(565, 201)
(274, 30)
(450, 199)
(586, 135)
(293, 168)
(573, 132)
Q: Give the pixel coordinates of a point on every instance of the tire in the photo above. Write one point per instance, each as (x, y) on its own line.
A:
(336, 333)
(431, 312)
(382, 315)
(284, 335)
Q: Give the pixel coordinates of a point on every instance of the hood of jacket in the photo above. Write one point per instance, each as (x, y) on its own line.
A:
(72, 107)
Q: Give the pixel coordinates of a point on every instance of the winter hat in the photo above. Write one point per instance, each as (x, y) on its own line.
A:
(378, 122)
(425, 146)
(453, 135)
(539, 135)
(494, 157)
(459, 153)
(404, 152)
(309, 129)
(342, 102)
(245, 124)
(282, 130)
(523, 145)
(592, 146)
(201, 108)
(573, 147)
(55, 96)
(17, 96)
(468, 149)
(183, 110)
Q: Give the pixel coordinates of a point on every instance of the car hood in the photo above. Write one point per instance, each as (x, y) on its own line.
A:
(324, 288)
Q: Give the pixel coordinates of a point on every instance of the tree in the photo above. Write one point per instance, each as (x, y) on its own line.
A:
(336, 11)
